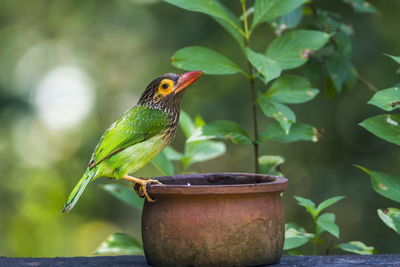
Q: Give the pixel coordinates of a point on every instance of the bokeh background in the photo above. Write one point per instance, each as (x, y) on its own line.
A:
(69, 68)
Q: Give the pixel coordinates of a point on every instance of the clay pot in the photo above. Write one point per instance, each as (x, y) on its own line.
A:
(217, 219)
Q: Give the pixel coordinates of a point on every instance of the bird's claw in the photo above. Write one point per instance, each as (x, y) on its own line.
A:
(141, 191)
(137, 189)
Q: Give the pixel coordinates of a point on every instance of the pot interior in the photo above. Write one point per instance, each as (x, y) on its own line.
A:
(218, 183)
(216, 179)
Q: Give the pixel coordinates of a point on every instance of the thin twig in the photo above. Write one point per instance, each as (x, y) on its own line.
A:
(367, 84)
(329, 248)
(252, 88)
(315, 240)
(246, 27)
(254, 100)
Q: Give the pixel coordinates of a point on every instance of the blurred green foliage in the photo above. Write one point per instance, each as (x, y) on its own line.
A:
(69, 68)
(296, 236)
(386, 127)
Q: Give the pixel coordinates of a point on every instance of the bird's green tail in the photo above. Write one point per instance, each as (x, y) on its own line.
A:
(79, 188)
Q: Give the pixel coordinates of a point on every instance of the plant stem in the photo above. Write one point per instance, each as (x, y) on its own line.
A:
(254, 100)
(252, 88)
(329, 248)
(315, 241)
(246, 27)
(236, 27)
(367, 84)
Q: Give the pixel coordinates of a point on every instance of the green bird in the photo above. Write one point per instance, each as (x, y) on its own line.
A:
(138, 135)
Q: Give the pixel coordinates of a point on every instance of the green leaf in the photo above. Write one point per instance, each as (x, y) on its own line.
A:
(287, 21)
(293, 49)
(343, 41)
(391, 217)
(291, 89)
(222, 130)
(298, 231)
(232, 25)
(338, 68)
(281, 113)
(199, 121)
(202, 151)
(210, 7)
(266, 66)
(199, 150)
(327, 222)
(397, 59)
(218, 11)
(186, 124)
(308, 204)
(386, 127)
(320, 231)
(172, 154)
(361, 6)
(384, 184)
(249, 12)
(164, 164)
(265, 10)
(118, 243)
(233, 30)
(295, 236)
(145, 2)
(201, 58)
(298, 132)
(351, 78)
(270, 164)
(295, 252)
(330, 89)
(387, 99)
(327, 203)
(328, 21)
(357, 247)
(124, 194)
(294, 242)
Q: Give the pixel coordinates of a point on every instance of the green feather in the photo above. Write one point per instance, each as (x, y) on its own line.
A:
(136, 125)
(131, 142)
(79, 188)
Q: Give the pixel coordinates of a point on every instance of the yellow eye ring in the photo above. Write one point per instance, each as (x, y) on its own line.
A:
(165, 87)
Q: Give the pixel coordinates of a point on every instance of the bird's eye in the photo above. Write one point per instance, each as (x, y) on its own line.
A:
(165, 87)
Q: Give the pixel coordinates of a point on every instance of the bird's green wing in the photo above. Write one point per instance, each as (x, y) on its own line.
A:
(134, 126)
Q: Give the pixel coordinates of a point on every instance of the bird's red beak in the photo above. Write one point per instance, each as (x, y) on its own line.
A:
(186, 79)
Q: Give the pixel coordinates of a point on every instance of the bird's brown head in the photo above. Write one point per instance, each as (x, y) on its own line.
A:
(165, 92)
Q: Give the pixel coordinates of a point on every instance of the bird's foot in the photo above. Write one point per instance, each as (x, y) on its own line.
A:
(143, 189)
(136, 187)
(140, 186)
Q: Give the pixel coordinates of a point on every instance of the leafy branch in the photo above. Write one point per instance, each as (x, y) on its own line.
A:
(286, 52)
(387, 127)
(253, 90)
(296, 236)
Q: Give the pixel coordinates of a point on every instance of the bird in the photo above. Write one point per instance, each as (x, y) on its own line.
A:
(137, 136)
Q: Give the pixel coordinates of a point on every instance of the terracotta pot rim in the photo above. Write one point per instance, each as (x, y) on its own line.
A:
(262, 183)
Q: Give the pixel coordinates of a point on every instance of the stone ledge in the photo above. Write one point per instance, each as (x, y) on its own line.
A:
(332, 260)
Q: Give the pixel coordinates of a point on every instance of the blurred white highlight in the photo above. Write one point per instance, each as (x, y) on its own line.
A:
(64, 97)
